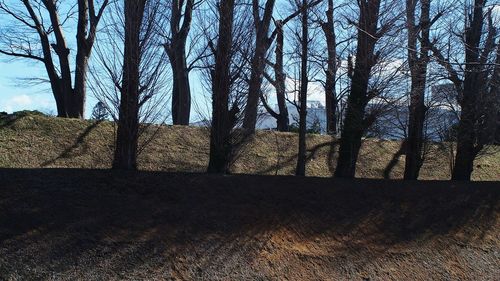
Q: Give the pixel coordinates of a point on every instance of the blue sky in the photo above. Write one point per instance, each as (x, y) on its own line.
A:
(16, 94)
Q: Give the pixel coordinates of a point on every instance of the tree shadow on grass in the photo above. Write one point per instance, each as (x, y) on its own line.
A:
(394, 160)
(113, 225)
(69, 152)
(311, 154)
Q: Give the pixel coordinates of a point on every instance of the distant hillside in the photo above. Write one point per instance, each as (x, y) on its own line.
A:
(34, 141)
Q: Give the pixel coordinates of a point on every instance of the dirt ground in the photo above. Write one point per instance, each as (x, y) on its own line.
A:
(63, 224)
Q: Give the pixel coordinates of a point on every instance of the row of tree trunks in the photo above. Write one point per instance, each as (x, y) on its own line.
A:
(128, 124)
(354, 123)
(418, 60)
(222, 116)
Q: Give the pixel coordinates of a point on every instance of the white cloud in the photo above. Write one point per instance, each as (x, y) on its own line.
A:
(26, 102)
(21, 100)
(315, 92)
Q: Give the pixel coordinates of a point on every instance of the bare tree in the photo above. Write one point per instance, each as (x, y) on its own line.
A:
(300, 170)
(418, 60)
(262, 44)
(181, 12)
(228, 80)
(331, 101)
(130, 75)
(128, 122)
(357, 119)
(471, 85)
(352, 132)
(40, 42)
(470, 141)
(279, 81)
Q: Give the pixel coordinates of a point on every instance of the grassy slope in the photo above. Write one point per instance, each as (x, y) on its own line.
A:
(70, 224)
(38, 141)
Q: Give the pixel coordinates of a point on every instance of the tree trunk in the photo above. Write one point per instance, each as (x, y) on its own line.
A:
(331, 107)
(262, 44)
(181, 91)
(330, 83)
(282, 119)
(79, 93)
(222, 119)
(418, 69)
(301, 157)
(128, 123)
(465, 156)
(279, 83)
(254, 87)
(53, 77)
(62, 51)
(414, 142)
(176, 51)
(85, 37)
(283, 123)
(354, 123)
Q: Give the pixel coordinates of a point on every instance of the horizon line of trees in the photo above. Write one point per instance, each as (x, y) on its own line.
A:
(368, 55)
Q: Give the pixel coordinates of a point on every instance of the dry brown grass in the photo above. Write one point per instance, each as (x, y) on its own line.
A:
(36, 141)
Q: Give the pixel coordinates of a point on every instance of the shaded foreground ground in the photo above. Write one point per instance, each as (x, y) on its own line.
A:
(105, 225)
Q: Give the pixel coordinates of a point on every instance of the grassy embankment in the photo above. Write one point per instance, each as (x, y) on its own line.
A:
(35, 141)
